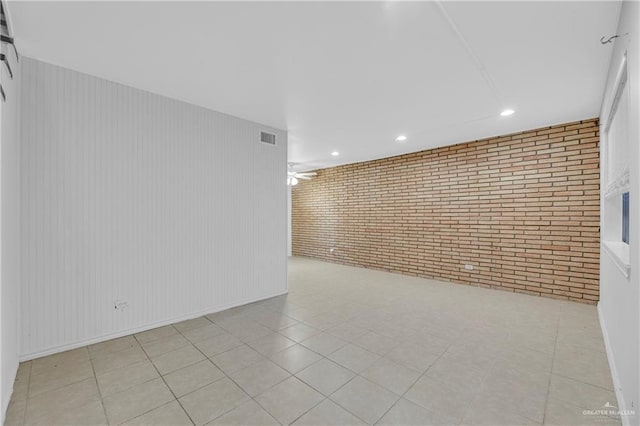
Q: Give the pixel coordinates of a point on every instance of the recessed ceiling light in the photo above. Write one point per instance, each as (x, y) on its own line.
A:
(507, 112)
(401, 138)
(335, 153)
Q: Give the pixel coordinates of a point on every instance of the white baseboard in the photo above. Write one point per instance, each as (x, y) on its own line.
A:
(121, 333)
(626, 420)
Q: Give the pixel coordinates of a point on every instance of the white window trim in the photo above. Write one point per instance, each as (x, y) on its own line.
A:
(617, 251)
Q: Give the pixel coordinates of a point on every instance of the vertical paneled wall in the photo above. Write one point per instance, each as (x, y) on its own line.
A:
(9, 225)
(129, 196)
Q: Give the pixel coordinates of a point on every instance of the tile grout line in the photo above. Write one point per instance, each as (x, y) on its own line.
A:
(553, 359)
(225, 374)
(324, 398)
(356, 374)
(411, 386)
(291, 374)
(95, 378)
(317, 390)
(26, 401)
(163, 380)
(150, 361)
(254, 319)
(29, 397)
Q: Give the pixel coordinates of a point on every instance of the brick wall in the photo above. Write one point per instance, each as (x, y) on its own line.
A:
(523, 209)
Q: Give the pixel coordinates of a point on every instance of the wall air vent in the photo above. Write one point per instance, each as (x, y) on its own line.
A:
(269, 138)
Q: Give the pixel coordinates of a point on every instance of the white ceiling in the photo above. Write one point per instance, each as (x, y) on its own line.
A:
(343, 76)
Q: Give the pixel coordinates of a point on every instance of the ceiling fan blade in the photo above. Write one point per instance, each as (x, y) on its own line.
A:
(307, 174)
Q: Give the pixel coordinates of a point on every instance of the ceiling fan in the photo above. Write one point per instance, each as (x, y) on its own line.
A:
(293, 176)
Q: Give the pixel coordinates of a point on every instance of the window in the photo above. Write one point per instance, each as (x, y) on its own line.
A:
(616, 174)
(625, 217)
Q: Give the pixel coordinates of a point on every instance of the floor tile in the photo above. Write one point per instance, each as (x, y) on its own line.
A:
(156, 333)
(393, 331)
(227, 314)
(583, 365)
(271, 344)
(330, 414)
(237, 358)
(91, 413)
(213, 400)
(162, 346)
(170, 414)
(15, 413)
(431, 344)
(218, 344)
(249, 414)
(137, 400)
(114, 345)
(477, 355)
(174, 360)
(323, 322)
(412, 355)
(325, 376)
(299, 332)
(246, 330)
(276, 321)
(289, 400)
(114, 360)
(191, 324)
(491, 416)
(295, 358)
(376, 343)
(114, 381)
(192, 377)
(22, 381)
(505, 408)
(390, 375)
(560, 413)
(347, 331)
(488, 358)
(354, 357)
(580, 394)
(324, 343)
(203, 333)
(59, 376)
(302, 314)
(72, 357)
(59, 402)
(585, 339)
(259, 377)
(520, 357)
(441, 398)
(405, 412)
(456, 374)
(365, 399)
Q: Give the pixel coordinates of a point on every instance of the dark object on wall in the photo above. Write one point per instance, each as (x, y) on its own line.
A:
(625, 217)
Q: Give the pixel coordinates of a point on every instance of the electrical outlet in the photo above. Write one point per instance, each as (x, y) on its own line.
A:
(120, 305)
(468, 267)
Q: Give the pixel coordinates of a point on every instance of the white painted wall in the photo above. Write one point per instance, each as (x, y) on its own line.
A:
(619, 305)
(9, 228)
(127, 195)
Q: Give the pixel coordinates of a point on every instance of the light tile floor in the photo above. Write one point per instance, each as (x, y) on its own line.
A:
(345, 346)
